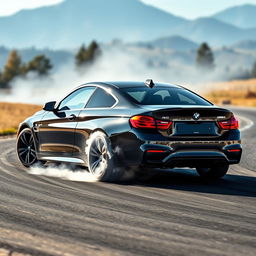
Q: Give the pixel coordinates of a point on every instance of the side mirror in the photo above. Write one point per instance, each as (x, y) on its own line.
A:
(49, 106)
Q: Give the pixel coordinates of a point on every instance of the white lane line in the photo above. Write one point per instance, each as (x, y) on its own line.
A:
(249, 123)
(239, 170)
(3, 157)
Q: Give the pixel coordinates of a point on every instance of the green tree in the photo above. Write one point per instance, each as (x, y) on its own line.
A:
(80, 56)
(12, 68)
(40, 64)
(2, 84)
(87, 55)
(205, 57)
(93, 51)
(253, 72)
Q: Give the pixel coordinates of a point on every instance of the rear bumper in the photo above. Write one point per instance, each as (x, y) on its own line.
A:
(190, 153)
(133, 150)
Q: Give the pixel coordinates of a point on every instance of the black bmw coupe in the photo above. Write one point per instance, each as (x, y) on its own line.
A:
(114, 127)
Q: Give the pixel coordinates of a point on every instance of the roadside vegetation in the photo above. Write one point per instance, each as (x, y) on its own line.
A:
(86, 56)
(205, 58)
(42, 66)
(14, 67)
(11, 114)
(238, 92)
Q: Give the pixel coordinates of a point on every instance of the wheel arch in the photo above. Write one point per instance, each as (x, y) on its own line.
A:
(22, 127)
(99, 130)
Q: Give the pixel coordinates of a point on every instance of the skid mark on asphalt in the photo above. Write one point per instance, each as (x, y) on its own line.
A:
(248, 123)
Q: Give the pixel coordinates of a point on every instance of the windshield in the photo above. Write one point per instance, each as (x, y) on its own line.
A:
(164, 96)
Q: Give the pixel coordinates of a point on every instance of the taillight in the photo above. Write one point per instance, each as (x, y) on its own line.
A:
(229, 124)
(234, 150)
(148, 122)
(156, 151)
(143, 122)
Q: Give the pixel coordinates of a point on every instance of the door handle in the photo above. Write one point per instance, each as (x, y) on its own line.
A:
(72, 117)
(36, 127)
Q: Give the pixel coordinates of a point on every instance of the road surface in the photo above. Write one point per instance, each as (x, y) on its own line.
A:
(174, 214)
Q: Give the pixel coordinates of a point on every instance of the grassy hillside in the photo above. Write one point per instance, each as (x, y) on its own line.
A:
(11, 114)
(240, 93)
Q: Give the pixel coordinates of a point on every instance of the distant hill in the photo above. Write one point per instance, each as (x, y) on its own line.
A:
(241, 16)
(211, 30)
(174, 42)
(72, 22)
(246, 44)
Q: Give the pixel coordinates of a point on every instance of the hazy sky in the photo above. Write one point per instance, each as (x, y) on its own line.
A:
(185, 8)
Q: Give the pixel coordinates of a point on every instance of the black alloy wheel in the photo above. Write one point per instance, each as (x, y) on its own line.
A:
(26, 148)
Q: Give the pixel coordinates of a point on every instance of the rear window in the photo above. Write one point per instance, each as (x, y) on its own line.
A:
(164, 96)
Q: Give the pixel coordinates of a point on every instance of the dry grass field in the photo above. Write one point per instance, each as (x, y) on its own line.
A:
(240, 92)
(11, 114)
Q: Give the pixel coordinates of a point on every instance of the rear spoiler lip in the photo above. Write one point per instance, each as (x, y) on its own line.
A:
(154, 108)
(220, 114)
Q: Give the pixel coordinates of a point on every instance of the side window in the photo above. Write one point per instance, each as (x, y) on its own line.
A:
(77, 99)
(101, 99)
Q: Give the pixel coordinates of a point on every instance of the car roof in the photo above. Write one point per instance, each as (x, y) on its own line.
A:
(131, 84)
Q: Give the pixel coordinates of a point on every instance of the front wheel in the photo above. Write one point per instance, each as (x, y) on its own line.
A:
(26, 148)
(213, 173)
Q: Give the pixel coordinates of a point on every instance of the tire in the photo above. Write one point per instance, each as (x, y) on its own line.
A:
(213, 173)
(26, 149)
(101, 158)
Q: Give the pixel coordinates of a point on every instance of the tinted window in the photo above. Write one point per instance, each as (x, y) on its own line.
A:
(77, 99)
(164, 96)
(101, 99)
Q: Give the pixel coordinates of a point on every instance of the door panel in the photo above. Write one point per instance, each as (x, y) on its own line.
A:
(56, 131)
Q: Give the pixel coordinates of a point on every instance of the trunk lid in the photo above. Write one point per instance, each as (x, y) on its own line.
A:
(193, 121)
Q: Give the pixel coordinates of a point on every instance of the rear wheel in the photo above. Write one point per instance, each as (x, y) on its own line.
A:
(101, 159)
(26, 148)
(213, 173)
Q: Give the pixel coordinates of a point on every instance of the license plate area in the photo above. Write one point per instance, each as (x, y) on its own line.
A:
(195, 129)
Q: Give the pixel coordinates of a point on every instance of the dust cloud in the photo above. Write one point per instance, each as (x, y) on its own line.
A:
(115, 64)
(65, 172)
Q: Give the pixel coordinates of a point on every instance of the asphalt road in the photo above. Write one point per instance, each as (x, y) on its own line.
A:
(174, 214)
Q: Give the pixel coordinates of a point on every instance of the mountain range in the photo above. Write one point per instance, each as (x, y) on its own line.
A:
(240, 16)
(73, 22)
(177, 43)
